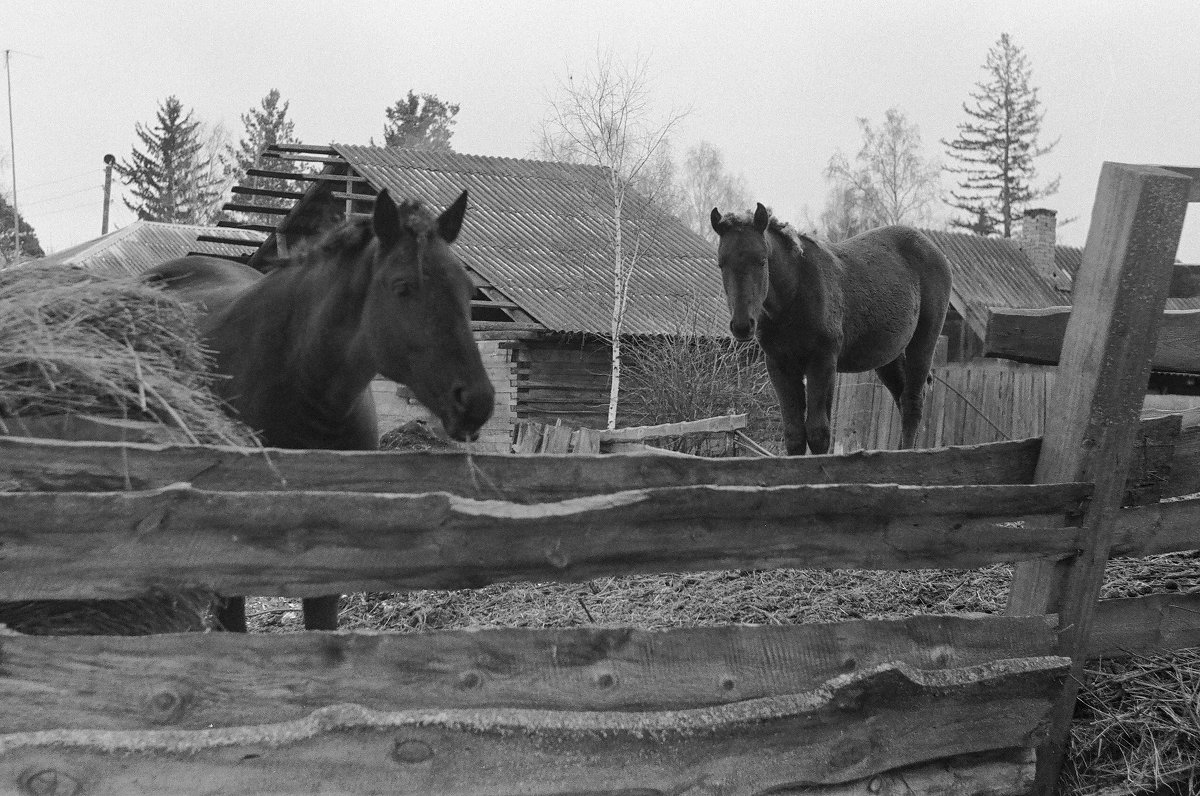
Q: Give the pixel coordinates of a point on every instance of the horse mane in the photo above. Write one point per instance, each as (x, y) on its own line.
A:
(793, 238)
(353, 234)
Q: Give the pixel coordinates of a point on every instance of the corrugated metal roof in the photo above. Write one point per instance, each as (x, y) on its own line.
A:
(538, 231)
(145, 244)
(994, 272)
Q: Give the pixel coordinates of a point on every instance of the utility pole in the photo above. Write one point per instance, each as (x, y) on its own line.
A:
(13, 154)
(109, 160)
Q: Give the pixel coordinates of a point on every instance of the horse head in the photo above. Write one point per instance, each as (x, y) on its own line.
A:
(742, 254)
(417, 316)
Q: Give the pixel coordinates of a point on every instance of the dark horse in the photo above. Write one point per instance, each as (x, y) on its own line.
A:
(300, 345)
(876, 301)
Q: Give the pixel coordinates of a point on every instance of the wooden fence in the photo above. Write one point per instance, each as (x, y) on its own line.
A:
(920, 705)
(981, 401)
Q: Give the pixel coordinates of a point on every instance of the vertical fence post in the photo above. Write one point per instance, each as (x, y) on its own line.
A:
(1119, 296)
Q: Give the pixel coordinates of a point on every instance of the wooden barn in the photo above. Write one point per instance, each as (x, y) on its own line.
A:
(536, 243)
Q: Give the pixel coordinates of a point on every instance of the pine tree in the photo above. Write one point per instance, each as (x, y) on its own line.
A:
(268, 124)
(31, 248)
(420, 121)
(996, 147)
(172, 179)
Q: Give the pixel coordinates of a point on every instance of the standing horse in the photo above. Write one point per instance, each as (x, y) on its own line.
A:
(874, 302)
(299, 347)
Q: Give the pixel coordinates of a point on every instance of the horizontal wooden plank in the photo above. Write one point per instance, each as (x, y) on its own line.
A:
(1168, 527)
(503, 326)
(306, 157)
(313, 543)
(708, 425)
(1194, 173)
(1184, 475)
(253, 244)
(237, 207)
(1036, 335)
(316, 149)
(50, 465)
(276, 194)
(239, 225)
(855, 726)
(1150, 625)
(305, 177)
(227, 680)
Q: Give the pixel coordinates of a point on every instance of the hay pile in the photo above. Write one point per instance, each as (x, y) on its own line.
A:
(76, 342)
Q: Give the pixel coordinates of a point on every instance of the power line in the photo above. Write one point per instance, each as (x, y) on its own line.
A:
(43, 200)
(82, 174)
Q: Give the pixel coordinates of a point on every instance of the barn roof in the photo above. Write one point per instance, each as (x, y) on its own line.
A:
(145, 244)
(536, 236)
(994, 272)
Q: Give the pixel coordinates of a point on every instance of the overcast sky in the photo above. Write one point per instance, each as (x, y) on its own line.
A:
(776, 86)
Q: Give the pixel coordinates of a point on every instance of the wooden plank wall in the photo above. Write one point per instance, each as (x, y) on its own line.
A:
(563, 378)
(983, 401)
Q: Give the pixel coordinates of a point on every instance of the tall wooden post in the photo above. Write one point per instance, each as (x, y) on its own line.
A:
(1120, 293)
(109, 160)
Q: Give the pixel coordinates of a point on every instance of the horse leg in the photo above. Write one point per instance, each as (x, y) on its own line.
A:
(917, 359)
(320, 613)
(789, 388)
(820, 381)
(231, 615)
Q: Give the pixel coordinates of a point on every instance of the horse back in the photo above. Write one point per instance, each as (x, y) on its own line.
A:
(213, 283)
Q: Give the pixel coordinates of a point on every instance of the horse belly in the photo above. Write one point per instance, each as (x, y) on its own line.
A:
(876, 335)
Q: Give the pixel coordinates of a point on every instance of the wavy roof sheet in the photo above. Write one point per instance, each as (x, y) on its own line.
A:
(145, 244)
(540, 232)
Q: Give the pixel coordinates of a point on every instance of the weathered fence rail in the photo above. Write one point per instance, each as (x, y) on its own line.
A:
(745, 709)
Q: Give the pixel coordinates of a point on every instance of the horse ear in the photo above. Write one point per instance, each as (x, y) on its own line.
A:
(450, 221)
(761, 218)
(386, 221)
(717, 224)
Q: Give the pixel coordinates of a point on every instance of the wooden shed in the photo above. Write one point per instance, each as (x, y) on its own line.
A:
(536, 243)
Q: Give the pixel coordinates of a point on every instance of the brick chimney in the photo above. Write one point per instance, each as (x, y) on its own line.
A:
(1036, 241)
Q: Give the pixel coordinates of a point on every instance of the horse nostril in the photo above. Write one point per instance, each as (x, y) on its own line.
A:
(742, 329)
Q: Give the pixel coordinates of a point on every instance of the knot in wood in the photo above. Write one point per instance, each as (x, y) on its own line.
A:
(47, 782)
(411, 751)
(166, 704)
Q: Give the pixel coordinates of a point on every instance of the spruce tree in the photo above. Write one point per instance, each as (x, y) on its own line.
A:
(420, 121)
(996, 146)
(268, 124)
(31, 248)
(171, 178)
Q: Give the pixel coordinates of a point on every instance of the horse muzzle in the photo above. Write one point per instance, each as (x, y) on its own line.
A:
(470, 407)
(742, 331)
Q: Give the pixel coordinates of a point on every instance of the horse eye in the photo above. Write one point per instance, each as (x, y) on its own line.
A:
(401, 287)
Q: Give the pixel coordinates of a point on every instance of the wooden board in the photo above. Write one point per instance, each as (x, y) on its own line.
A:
(710, 425)
(194, 680)
(86, 545)
(854, 726)
(1150, 625)
(1119, 295)
(1036, 335)
(45, 465)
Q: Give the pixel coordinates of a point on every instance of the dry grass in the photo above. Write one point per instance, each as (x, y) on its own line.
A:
(75, 342)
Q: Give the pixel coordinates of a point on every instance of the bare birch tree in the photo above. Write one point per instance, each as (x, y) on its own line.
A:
(602, 116)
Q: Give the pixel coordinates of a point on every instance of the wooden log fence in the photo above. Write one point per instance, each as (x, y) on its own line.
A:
(927, 704)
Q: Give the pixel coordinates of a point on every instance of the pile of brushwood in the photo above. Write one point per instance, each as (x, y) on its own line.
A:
(77, 343)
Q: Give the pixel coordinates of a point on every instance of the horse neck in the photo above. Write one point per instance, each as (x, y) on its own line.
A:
(808, 279)
(330, 359)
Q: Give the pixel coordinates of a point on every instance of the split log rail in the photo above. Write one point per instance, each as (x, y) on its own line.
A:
(928, 704)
